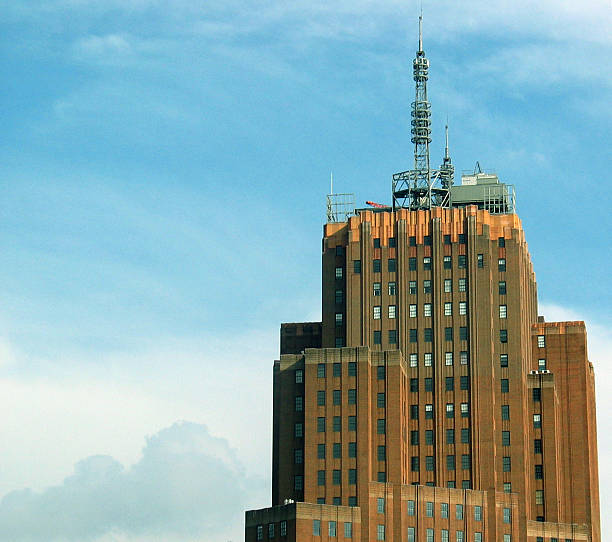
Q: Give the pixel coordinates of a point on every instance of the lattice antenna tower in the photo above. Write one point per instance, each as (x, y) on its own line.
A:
(416, 189)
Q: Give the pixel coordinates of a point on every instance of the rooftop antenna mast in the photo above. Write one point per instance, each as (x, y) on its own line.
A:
(447, 170)
(415, 189)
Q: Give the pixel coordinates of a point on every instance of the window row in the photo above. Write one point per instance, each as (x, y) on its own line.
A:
(272, 530)
(391, 312)
(322, 370)
(377, 289)
(449, 381)
(413, 358)
(427, 309)
(332, 528)
(337, 397)
(429, 411)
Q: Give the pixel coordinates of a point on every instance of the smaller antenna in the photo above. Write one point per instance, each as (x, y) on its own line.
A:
(446, 155)
(421, 30)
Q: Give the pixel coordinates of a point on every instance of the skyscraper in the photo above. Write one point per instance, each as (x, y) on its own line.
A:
(432, 403)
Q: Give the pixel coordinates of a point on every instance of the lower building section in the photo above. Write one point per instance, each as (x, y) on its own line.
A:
(394, 512)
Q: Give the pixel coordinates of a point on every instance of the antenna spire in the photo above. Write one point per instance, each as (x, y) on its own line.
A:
(421, 31)
(446, 155)
(415, 189)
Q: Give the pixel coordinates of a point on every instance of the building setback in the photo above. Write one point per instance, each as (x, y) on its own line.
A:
(432, 403)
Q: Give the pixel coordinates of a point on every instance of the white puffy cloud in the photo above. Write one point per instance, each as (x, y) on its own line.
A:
(188, 485)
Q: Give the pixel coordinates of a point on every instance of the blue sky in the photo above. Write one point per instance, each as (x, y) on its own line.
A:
(163, 171)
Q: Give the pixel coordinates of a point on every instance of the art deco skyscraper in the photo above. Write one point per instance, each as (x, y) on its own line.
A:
(432, 403)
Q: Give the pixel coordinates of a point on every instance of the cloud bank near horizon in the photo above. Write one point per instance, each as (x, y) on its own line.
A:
(188, 485)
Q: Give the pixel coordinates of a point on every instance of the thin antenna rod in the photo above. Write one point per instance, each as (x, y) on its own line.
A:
(446, 154)
(421, 30)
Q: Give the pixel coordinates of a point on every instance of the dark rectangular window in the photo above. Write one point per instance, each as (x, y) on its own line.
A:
(503, 335)
(376, 266)
(412, 241)
(380, 400)
(505, 385)
(501, 242)
(450, 462)
(427, 286)
(506, 464)
(336, 477)
(414, 384)
(352, 476)
(337, 424)
(339, 342)
(537, 394)
(447, 239)
(412, 265)
(505, 412)
(339, 297)
(321, 478)
(427, 240)
(462, 238)
(539, 472)
(352, 368)
(480, 260)
(428, 384)
(320, 451)
(377, 242)
(414, 438)
(337, 369)
(463, 333)
(413, 335)
(427, 263)
(429, 437)
(450, 436)
(447, 262)
(537, 446)
(465, 435)
(412, 287)
(392, 242)
(501, 264)
(321, 370)
(466, 462)
(377, 337)
(357, 266)
(337, 450)
(391, 265)
(448, 333)
(321, 397)
(380, 372)
(352, 397)
(352, 449)
(502, 287)
(392, 336)
(462, 261)
(414, 412)
(339, 250)
(505, 438)
(380, 426)
(352, 423)
(381, 453)
(428, 334)
(503, 360)
(450, 383)
(414, 463)
(464, 383)
(381, 476)
(429, 462)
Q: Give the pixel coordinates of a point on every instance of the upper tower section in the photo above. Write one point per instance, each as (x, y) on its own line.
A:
(420, 188)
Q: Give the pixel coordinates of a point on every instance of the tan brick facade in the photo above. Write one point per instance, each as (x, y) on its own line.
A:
(428, 391)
